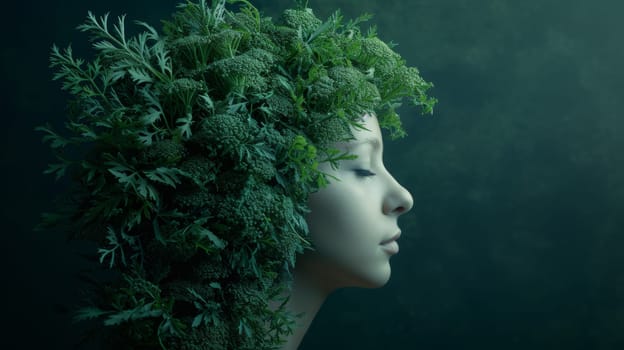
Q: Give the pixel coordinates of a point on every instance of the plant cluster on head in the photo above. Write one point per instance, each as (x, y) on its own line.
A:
(202, 145)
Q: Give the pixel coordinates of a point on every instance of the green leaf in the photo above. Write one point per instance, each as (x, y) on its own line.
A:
(104, 45)
(58, 168)
(208, 104)
(197, 320)
(139, 312)
(129, 178)
(205, 233)
(57, 141)
(152, 34)
(140, 75)
(244, 328)
(167, 176)
(184, 125)
(145, 137)
(89, 313)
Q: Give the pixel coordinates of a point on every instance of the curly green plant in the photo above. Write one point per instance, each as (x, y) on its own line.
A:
(198, 149)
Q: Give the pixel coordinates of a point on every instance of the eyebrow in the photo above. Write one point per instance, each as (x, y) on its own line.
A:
(372, 141)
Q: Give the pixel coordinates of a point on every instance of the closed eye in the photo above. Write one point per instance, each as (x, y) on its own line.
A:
(364, 173)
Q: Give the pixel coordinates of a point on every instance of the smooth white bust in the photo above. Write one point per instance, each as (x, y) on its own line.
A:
(348, 221)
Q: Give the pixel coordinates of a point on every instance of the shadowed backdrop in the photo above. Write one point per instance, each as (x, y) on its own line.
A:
(515, 238)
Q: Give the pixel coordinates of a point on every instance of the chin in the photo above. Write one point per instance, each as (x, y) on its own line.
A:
(338, 275)
(377, 279)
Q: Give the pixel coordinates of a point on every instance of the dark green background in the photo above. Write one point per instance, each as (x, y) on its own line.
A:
(515, 239)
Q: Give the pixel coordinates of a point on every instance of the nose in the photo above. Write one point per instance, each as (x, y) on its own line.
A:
(398, 200)
(404, 203)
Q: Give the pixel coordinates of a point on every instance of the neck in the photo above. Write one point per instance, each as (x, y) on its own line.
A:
(307, 294)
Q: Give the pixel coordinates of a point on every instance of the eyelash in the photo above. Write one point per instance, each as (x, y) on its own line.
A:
(364, 173)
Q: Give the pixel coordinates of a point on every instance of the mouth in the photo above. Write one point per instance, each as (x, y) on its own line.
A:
(391, 239)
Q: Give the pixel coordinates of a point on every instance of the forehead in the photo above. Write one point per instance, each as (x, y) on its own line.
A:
(370, 135)
(370, 141)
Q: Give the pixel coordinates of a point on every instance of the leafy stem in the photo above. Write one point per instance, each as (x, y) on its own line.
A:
(132, 52)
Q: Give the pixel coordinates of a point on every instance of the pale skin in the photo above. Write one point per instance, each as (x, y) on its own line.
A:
(348, 222)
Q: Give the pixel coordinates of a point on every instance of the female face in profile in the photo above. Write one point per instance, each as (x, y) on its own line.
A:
(351, 222)
(353, 219)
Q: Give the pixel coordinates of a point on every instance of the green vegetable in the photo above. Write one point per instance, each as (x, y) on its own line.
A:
(198, 150)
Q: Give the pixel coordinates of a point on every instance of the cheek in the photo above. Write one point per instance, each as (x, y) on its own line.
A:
(327, 209)
(345, 232)
(339, 220)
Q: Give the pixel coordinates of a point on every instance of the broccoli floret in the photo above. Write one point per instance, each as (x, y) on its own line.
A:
(377, 54)
(225, 132)
(321, 93)
(327, 129)
(230, 181)
(259, 40)
(225, 43)
(266, 58)
(280, 107)
(191, 53)
(268, 135)
(301, 18)
(163, 152)
(353, 90)
(285, 38)
(208, 270)
(186, 86)
(262, 39)
(259, 220)
(247, 71)
(248, 293)
(393, 78)
(350, 79)
(262, 168)
(255, 213)
(243, 20)
(202, 170)
(193, 199)
(179, 95)
(406, 81)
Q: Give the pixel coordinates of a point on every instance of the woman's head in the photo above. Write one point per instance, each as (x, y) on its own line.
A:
(351, 217)
(211, 185)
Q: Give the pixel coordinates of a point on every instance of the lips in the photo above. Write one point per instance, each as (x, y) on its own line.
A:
(392, 239)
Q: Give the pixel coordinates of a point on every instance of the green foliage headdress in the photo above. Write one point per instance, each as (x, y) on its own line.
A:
(200, 148)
